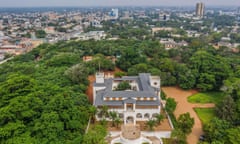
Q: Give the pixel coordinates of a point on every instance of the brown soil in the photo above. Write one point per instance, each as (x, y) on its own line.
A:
(89, 91)
(184, 106)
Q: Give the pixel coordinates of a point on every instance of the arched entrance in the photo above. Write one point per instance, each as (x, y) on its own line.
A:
(130, 120)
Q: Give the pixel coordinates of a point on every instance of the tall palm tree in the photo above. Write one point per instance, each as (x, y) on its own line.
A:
(104, 111)
(113, 116)
(92, 113)
(117, 121)
(159, 118)
(151, 123)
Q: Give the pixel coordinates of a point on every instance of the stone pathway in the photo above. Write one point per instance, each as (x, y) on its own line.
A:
(184, 106)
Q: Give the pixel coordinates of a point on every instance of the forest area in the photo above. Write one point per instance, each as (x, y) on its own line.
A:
(42, 93)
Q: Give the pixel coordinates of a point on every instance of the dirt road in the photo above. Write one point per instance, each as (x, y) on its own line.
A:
(184, 106)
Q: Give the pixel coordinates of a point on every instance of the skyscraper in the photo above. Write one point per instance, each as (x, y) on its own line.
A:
(200, 9)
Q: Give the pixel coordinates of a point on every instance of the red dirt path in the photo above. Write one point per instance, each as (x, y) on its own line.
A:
(184, 106)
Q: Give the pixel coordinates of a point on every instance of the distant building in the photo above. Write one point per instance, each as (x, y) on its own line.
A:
(238, 10)
(114, 13)
(200, 7)
(164, 17)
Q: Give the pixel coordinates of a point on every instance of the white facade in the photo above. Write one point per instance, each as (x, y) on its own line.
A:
(129, 109)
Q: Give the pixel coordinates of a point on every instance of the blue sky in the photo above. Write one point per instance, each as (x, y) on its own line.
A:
(35, 3)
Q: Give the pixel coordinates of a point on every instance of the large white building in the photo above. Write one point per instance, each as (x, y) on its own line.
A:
(139, 103)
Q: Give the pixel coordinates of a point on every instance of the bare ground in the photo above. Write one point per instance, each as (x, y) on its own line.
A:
(184, 106)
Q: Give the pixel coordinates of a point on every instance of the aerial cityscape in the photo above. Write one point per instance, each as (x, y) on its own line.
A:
(120, 72)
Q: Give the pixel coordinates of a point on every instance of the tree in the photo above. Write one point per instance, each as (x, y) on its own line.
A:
(104, 111)
(226, 109)
(117, 121)
(171, 105)
(231, 87)
(113, 116)
(40, 34)
(119, 74)
(92, 113)
(124, 85)
(233, 135)
(186, 77)
(77, 73)
(216, 130)
(159, 118)
(150, 124)
(211, 70)
(95, 135)
(185, 123)
(138, 68)
(178, 136)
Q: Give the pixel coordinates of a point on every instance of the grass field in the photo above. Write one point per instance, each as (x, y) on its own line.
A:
(205, 114)
(206, 97)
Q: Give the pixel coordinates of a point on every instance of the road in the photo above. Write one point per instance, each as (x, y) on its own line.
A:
(184, 106)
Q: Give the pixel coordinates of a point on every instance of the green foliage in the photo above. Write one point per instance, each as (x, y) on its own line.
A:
(186, 77)
(178, 136)
(39, 104)
(205, 114)
(226, 109)
(113, 116)
(163, 95)
(216, 130)
(206, 97)
(159, 118)
(40, 34)
(231, 87)
(171, 105)
(233, 135)
(78, 73)
(211, 70)
(124, 85)
(99, 61)
(95, 135)
(185, 123)
(138, 68)
(119, 74)
(150, 124)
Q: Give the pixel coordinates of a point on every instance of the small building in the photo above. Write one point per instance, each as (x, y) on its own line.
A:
(87, 58)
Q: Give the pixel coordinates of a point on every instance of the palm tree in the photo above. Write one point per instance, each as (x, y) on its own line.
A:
(159, 118)
(151, 123)
(113, 116)
(117, 121)
(92, 113)
(104, 111)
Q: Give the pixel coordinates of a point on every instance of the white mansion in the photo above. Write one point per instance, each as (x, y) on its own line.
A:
(139, 103)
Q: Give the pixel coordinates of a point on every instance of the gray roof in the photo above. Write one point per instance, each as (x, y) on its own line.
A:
(145, 91)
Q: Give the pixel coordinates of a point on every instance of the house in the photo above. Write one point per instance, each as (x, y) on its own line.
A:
(87, 58)
(170, 43)
(140, 102)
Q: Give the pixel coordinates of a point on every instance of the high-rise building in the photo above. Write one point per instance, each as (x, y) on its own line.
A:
(200, 9)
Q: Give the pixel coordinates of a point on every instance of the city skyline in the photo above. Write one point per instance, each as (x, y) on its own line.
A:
(57, 3)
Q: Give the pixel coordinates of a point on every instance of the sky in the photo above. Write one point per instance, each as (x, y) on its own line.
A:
(39, 3)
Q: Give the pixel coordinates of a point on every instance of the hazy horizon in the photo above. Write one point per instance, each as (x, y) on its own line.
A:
(101, 3)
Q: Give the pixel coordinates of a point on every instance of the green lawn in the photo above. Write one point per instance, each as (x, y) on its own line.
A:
(206, 97)
(205, 114)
